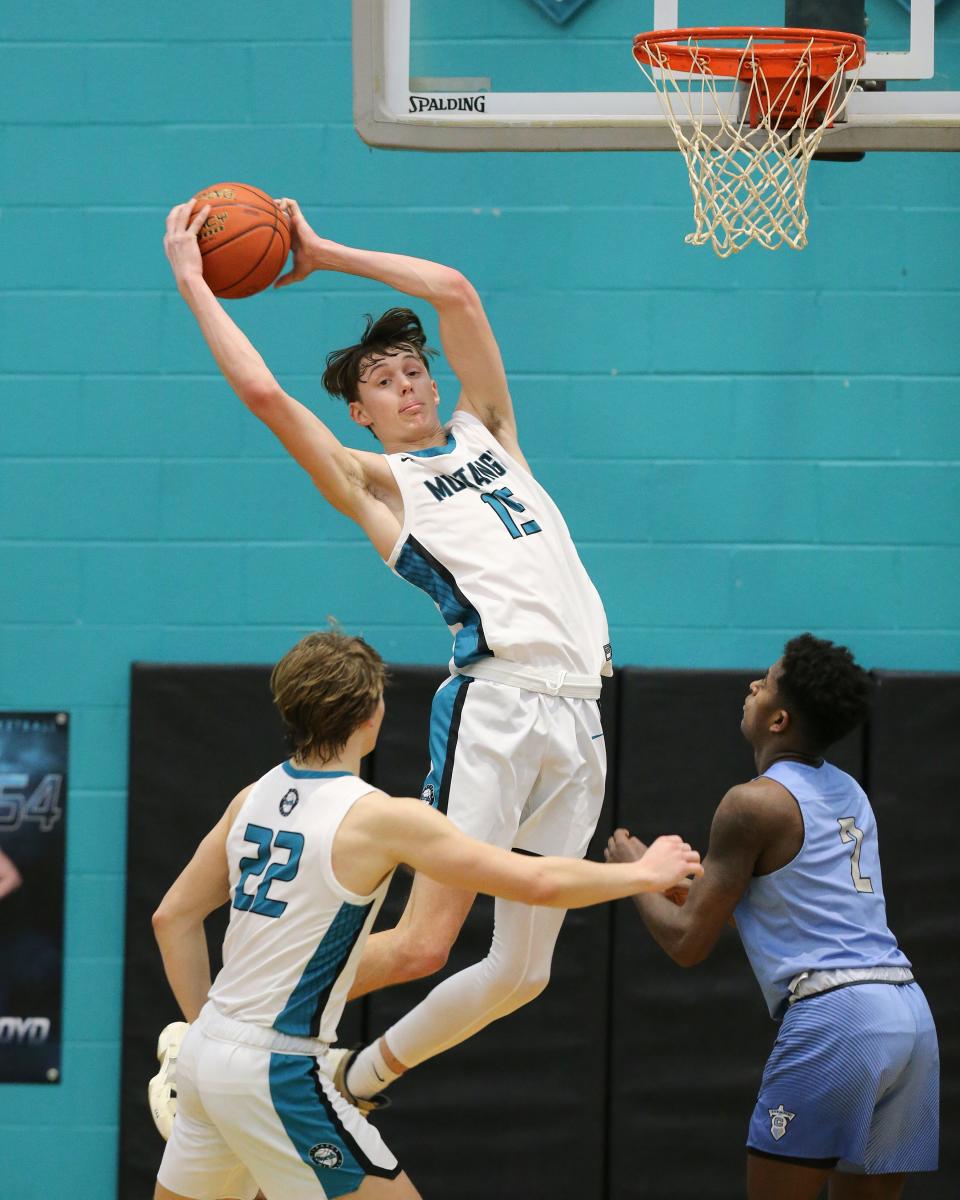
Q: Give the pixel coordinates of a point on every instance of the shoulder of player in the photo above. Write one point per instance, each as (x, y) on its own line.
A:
(749, 809)
(502, 429)
(233, 808)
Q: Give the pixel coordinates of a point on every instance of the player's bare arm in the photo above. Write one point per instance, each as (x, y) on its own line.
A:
(357, 484)
(746, 826)
(381, 831)
(202, 886)
(465, 333)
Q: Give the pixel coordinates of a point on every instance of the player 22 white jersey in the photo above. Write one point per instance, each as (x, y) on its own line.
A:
(295, 934)
(490, 547)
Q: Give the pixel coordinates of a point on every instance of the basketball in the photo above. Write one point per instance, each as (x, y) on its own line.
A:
(244, 241)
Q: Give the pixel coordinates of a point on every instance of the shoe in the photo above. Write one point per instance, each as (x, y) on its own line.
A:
(336, 1065)
(162, 1088)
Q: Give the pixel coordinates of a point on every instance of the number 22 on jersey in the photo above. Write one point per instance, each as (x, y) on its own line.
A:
(273, 871)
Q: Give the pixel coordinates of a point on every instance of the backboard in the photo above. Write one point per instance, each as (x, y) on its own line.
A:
(501, 75)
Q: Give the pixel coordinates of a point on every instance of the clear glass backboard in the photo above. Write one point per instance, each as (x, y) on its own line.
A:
(501, 75)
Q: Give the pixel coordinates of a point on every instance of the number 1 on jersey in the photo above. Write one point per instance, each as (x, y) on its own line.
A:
(850, 833)
(502, 500)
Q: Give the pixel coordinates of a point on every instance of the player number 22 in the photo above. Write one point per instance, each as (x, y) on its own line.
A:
(850, 833)
(266, 841)
(503, 502)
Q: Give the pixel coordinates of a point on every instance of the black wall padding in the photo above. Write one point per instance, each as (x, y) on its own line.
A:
(629, 1077)
(914, 761)
(688, 1045)
(509, 1112)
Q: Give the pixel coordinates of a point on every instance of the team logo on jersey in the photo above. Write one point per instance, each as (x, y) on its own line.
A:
(427, 795)
(289, 802)
(326, 1154)
(779, 1119)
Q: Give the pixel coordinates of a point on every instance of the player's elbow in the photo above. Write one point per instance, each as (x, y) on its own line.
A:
(167, 921)
(422, 956)
(455, 291)
(263, 397)
(688, 952)
(544, 889)
(162, 921)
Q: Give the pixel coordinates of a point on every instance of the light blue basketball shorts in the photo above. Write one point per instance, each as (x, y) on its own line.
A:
(853, 1082)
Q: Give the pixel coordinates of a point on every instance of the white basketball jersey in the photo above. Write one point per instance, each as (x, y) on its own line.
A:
(491, 549)
(295, 934)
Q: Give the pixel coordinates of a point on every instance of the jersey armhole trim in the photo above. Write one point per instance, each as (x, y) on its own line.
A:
(326, 864)
(803, 843)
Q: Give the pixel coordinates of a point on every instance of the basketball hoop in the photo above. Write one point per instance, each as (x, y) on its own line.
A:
(748, 161)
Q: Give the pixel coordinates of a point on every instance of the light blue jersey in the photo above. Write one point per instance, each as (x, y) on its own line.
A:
(824, 909)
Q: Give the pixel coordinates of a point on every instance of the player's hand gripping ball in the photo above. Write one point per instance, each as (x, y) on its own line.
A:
(162, 1089)
(244, 241)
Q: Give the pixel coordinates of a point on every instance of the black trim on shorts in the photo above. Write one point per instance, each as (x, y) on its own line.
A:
(451, 750)
(369, 1168)
(530, 853)
(816, 1164)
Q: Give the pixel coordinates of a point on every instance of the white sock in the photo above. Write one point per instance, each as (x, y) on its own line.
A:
(369, 1074)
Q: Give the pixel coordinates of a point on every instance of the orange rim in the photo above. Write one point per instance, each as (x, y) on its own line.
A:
(682, 50)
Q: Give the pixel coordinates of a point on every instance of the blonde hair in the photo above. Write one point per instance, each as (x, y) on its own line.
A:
(325, 688)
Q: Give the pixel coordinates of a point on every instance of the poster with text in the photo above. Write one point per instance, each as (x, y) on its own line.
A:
(33, 800)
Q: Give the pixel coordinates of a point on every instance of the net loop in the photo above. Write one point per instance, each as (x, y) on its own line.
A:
(748, 147)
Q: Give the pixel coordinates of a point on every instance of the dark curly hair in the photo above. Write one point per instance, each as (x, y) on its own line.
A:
(398, 329)
(824, 687)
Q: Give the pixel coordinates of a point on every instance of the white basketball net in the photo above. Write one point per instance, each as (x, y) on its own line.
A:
(748, 183)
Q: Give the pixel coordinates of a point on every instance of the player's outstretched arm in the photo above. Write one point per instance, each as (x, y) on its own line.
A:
(383, 831)
(689, 932)
(338, 473)
(202, 886)
(468, 341)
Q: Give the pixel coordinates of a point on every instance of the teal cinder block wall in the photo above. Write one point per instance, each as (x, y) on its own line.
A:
(743, 449)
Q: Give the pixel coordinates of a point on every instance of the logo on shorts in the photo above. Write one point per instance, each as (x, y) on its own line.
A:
(779, 1119)
(289, 802)
(427, 794)
(326, 1154)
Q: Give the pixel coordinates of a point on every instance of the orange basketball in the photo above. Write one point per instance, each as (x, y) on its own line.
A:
(244, 241)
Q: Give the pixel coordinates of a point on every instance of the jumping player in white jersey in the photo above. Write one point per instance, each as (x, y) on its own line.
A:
(793, 859)
(304, 857)
(516, 745)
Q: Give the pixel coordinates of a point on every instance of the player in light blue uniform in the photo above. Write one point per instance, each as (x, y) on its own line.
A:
(850, 1091)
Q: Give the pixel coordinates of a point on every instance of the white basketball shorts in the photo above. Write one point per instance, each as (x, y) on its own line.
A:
(250, 1117)
(516, 768)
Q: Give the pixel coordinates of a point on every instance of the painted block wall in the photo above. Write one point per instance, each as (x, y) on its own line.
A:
(742, 449)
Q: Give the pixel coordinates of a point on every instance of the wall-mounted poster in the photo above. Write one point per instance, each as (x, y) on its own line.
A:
(33, 799)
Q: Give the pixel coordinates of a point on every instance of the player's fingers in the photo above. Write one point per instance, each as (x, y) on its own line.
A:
(197, 222)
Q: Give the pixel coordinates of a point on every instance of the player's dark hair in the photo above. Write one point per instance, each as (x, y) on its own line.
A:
(824, 688)
(325, 687)
(397, 330)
